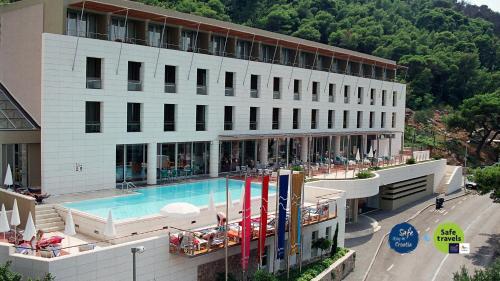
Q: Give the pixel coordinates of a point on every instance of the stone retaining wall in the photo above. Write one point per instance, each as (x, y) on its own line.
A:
(339, 269)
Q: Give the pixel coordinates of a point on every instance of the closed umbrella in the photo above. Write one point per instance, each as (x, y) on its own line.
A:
(4, 222)
(370, 153)
(229, 199)
(180, 210)
(211, 204)
(29, 230)
(8, 177)
(69, 226)
(109, 228)
(358, 157)
(15, 220)
(242, 197)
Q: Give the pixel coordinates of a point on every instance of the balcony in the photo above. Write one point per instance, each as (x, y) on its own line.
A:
(346, 99)
(133, 127)
(331, 99)
(276, 125)
(276, 95)
(201, 90)
(93, 127)
(314, 125)
(94, 83)
(330, 125)
(254, 93)
(228, 126)
(253, 125)
(315, 97)
(134, 85)
(295, 125)
(170, 88)
(169, 126)
(296, 96)
(229, 92)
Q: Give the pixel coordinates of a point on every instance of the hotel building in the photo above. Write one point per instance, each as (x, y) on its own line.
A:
(97, 93)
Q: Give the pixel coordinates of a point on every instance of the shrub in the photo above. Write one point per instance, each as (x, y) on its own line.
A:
(374, 168)
(364, 175)
(410, 161)
(297, 168)
(262, 275)
(6, 274)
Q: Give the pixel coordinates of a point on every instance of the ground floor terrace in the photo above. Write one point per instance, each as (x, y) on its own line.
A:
(152, 163)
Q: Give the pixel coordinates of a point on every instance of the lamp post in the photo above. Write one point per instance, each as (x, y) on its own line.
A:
(465, 164)
(135, 250)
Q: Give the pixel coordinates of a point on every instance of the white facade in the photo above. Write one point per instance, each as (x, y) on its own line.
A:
(65, 145)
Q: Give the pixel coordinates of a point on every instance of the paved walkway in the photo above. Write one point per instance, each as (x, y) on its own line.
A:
(363, 227)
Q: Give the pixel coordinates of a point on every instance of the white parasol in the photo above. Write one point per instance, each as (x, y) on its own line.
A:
(109, 228)
(8, 177)
(358, 157)
(4, 222)
(370, 153)
(29, 229)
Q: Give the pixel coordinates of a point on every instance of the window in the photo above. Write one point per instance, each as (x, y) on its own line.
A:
(314, 119)
(345, 123)
(118, 29)
(372, 118)
(394, 98)
(331, 92)
(384, 97)
(314, 237)
(276, 118)
(229, 84)
(201, 81)
(296, 118)
(331, 119)
(243, 49)
(382, 120)
(170, 73)
(254, 86)
(217, 45)
(254, 117)
(157, 35)
(372, 96)
(264, 257)
(201, 112)
(286, 56)
(328, 232)
(359, 118)
(276, 88)
(187, 40)
(347, 90)
(228, 118)
(296, 89)
(94, 73)
(393, 120)
(133, 117)
(315, 90)
(134, 76)
(92, 117)
(169, 117)
(267, 53)
(360, 95)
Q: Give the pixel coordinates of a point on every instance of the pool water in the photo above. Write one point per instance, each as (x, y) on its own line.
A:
(149, 201)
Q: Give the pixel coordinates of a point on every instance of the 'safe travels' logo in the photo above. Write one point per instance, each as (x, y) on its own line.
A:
(448, 237)
(403, 238)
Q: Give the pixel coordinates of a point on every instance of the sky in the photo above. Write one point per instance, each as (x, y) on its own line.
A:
(493, 4)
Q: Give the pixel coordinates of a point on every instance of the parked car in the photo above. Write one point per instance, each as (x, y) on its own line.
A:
(470, 184)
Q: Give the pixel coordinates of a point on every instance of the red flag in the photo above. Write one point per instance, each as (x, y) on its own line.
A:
(246, 233)
(263, 218)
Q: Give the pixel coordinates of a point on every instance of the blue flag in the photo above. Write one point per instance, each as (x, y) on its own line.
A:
(283, 193)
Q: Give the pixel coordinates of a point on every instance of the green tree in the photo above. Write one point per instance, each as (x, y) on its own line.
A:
(262, 275)
(6, 274)
(335, 242)
(322, 244)
(479, 116)
(491, 273)
(488, 180)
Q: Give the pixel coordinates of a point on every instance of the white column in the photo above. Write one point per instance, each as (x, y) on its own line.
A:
(152, 163)
(304, 146)
(364, 144)
(264, 146)
(337, 145)
(214, 158)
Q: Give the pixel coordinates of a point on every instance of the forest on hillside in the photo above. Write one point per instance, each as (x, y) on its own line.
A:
(451, 56)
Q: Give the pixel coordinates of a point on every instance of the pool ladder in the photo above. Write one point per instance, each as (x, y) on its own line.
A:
(126, 185)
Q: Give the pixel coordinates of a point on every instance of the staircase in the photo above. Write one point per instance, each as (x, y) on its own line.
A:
(47, 218)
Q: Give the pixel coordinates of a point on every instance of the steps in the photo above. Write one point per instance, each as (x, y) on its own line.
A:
(47, 218)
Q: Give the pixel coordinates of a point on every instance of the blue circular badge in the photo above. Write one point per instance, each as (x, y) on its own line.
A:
(403, 238)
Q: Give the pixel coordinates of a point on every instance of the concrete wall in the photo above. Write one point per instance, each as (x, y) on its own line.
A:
(25, 204)
(455, 181)
(415, 189)
(64, 94)
(21, 54)
(354, 188)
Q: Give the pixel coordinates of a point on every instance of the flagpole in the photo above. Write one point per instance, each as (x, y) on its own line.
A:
(289, 226)
(225, 230)
(259, 254)
(300, 223)
(277, 195)
(243, 224)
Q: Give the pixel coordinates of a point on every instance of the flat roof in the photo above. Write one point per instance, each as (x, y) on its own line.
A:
(146, 12)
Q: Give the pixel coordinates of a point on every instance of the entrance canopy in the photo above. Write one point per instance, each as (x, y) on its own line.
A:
(12, 115)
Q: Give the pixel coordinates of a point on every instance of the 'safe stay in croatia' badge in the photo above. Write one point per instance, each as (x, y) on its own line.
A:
(403, 238)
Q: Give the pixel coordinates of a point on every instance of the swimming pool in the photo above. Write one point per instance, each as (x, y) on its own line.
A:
(149, 201)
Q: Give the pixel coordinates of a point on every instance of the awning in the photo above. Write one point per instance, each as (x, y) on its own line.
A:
(298, 135)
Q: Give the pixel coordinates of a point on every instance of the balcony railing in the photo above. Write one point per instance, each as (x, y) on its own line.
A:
(315, 97)
(133, 127)
(228, 126)
(276, 125)
(372, 102)
(346, 99)
(330, 125)
(94, 83)
(169, 126)
(200, 126)
(360, 101)
(93, 127)
(331, 99)
(229, 92)
(134, 85)
(314, 125)
(296, 96)
(254, 93)
(253, 125)
(276, 95)
(201, 90)
(170, 88)
(295, 125)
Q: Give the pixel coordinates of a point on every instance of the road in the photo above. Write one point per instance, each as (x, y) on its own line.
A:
(476, 215)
